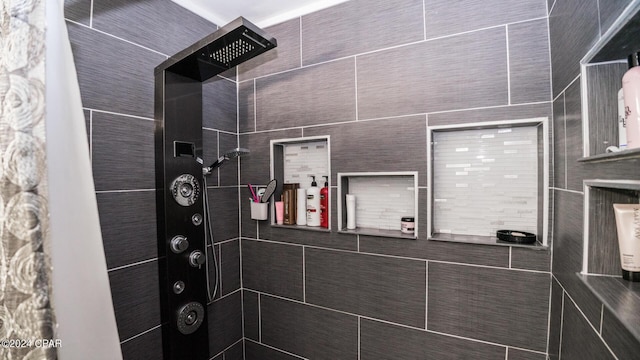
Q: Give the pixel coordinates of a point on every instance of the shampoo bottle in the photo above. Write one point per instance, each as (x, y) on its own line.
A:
(313, 204)
(631, 93)
(324, 203)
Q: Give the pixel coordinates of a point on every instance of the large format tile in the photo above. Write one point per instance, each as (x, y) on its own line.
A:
(511, 112)
(352, 150)
(450, 17)
(255, 351)
(380, 287)
(136, 298)
(555, 320)
(223, 207)
(579, 340)
(609, 12)
(219, 104)
(523, 258)
(567, 232)
(128, 223)
(285, 56)
(246, 107)
(559, 144)
(382, 341)
(78, 11)
(517, 354)
(573, 123)
(255, 168)
(230, 266)
(228, 172)
(224, 318)
(235, 352)
(308, 331)
(482, 303)
(272, 268)
(251, 314)
(123, 152)
(147, 346)
(359, 26)
(308, 96)
(108, 67)
(621, 342)
(434, 75)
(529, 67)
(155, 24)
(573, 29)
(210, 154)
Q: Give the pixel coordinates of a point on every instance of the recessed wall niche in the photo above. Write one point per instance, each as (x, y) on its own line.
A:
(488, 176)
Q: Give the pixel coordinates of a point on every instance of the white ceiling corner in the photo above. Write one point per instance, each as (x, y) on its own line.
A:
(262, 13)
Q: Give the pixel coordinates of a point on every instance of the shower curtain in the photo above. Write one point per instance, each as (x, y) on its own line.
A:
(55, 300)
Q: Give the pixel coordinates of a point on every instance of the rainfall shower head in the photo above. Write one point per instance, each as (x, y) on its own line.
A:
(229, 46)
(231, 154)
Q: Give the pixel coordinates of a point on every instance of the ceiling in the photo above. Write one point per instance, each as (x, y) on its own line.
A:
(262, 13)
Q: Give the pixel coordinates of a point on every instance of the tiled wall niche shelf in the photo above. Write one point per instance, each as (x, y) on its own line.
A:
(602, 69)
(488, 176)
(382, 199)
(294, 160)
(601, 270)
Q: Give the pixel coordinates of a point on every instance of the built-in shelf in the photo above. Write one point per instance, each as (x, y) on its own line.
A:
(619, 296)
(485, 240)
(302, 227)
(382, 200)
(614, 156)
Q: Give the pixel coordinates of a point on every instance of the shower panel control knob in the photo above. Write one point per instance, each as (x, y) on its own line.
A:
(185, 189)
(179, 244)
(197, 259)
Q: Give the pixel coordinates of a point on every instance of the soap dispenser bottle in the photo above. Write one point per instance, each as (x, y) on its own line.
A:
(631, 93)
(324, 203)
(313, 204)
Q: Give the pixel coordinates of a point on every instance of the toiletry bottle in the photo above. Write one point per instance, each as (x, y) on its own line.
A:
(324, 203)
(622, 123)
(631, 93)
(301, 207)
(313, 204)
(351, 211)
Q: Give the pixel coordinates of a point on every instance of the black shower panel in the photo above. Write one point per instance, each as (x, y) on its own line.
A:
(180, 182)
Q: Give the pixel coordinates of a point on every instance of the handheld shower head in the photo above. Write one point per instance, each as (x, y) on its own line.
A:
(231, 154)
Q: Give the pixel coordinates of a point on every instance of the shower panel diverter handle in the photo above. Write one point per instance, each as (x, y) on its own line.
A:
(197, 259)
(179, 244)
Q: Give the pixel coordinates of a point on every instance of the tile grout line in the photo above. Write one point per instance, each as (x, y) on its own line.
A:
(140, 334)
(225, 349)
(426, 295)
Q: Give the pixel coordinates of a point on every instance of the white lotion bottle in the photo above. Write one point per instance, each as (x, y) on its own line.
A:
(631, 93)
(351, 211)
(622, 126)
(301, 207)
(628, 225)
(313, 204)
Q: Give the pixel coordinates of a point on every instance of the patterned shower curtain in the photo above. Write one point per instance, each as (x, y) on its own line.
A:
(26, 315)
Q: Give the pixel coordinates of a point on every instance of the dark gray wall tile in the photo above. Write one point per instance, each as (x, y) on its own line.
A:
(573, 29)
(230, 266)
(285, 56)
(128, 223)
(437, 250)
(123, 153)
(155, 24)
(308, 96)
(147, 346)
(214, 271)
(573, 123)
(529, 259)
(381, 341)
(229, 170)
(517, 354)
(360, 26)
(308, 331)
(210, 154)
(609, 12)
(105, 75)
(559, 144)
(482, 303)
(136, 298)
(621, 342)
(589, 304)
(78, 11)
(272, 268)
(246, 108)
(579, 341)
(255, 351)
(219, 104)
(87, 123)
(511, 112)
(248, 226)
(567, 232)
(332, 240)
(529, 67)
(434, 76)
(446, 17)
(251, 314)
(223, 207)
(235, 352)
(555, 320)
(351, 149)
(375, 286)
(224, 318)
(254, 169)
